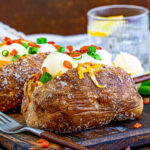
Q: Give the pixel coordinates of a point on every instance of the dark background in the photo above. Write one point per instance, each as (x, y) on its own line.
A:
(53, 16)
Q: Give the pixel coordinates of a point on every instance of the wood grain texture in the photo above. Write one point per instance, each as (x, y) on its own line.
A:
(113, 136)
(53, 16)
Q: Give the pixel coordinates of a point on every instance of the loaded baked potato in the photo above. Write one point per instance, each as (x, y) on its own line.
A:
(69, 97)
(13, 77)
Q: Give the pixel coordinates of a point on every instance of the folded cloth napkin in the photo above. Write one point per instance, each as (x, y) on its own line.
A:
(6, 30)
(76, 41)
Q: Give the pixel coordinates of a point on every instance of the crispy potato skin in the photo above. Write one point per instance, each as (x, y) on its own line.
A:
(13, 77)
(67, 104)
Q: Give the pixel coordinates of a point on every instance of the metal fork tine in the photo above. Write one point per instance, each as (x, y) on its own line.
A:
(1, 122)
(6, 117)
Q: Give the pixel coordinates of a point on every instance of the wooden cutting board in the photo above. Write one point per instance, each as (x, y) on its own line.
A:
(116, 135)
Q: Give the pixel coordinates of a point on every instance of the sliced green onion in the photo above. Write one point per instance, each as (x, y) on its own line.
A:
(15, 57)
(33, 50)
(94, 55)
(41, 40)
(92, 49)
(45, 77)
(144, 90)
(61, 49)
(97, 57)
(90, 53)
(5, 53)
(25, 45)
(24, 55)
(146, 83)
(76, 58)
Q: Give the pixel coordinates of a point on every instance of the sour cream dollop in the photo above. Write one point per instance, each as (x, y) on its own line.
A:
(129, 63)
(54, 63)
(106, 58)
(18, 47)
(47, 48)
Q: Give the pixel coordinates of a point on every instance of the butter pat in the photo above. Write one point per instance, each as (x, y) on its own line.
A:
(129, 63)
(46, 48)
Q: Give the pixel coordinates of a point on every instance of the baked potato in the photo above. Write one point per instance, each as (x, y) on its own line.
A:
(13, 77)
(69, 103)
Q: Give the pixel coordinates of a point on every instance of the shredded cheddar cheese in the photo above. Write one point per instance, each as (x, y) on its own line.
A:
(90, 68)
(39, 83)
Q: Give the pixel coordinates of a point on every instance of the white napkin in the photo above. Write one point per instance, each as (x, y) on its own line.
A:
(6, 30)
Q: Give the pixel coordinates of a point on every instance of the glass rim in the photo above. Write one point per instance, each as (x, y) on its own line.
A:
(146, 11)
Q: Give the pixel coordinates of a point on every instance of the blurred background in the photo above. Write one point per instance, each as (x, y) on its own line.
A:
(64, 17)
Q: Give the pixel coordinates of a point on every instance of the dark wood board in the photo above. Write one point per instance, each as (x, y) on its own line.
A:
(116, 135)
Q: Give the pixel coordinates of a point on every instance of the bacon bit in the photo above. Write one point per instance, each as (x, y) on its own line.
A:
(137, 125)
(70, 48)
(9, 42)
(38, 77)
(57, 46)
(97, 47)
(33, 44)
(75, 54)
(13, 52)
(83, 51)
(51, 42)
(67, 64)
(45, 144)
(17, 41)
(128, 148)
(68, 53)
(146, 101)
(44, 69)
(84, 48)
(7, 39)
(40, 140)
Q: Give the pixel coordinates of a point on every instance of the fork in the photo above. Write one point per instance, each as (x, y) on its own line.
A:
(10, 126)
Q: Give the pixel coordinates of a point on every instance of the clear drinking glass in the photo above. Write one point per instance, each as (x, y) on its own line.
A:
(119, 28)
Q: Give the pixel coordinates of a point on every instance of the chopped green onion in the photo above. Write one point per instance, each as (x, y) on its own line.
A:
(92, 49)
(94, 55)
(146, 83)
(61, 50)
(97, 57)
(41, 40)
(25, 45)
(24, 55)
(5, 53)
(33, 50)
(76, 58)
(45, 77)
(90, 53)
(144, 90)
(15, 57)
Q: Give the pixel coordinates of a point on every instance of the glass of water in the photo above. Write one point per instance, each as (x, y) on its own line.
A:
(121, 28)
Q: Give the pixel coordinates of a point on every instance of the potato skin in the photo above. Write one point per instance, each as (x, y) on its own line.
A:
(13, 77)
(68, 104)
